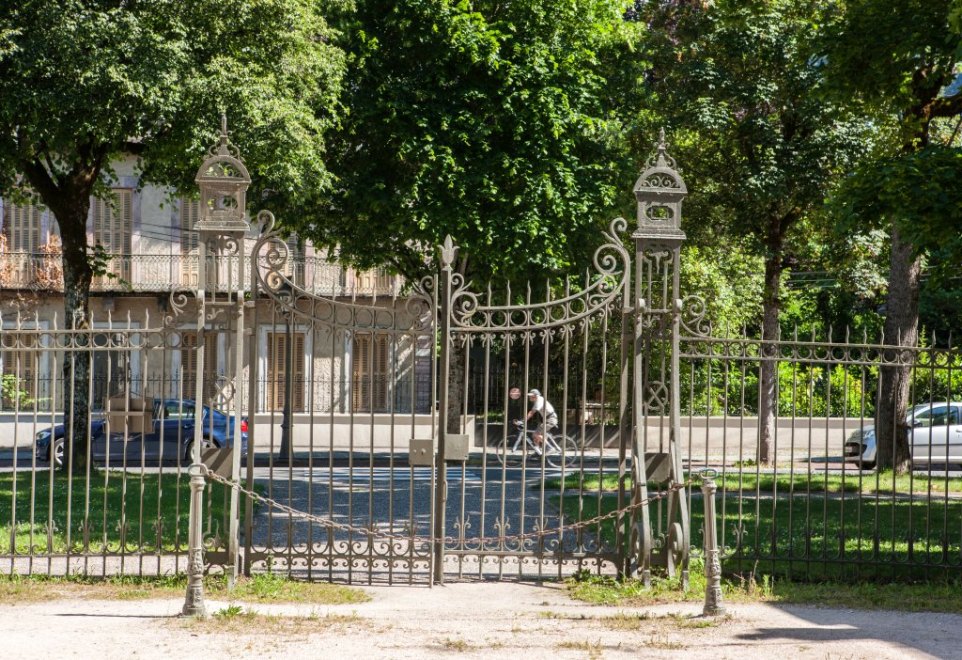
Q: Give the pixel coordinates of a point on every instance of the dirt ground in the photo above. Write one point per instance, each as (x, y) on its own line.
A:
(472, 620)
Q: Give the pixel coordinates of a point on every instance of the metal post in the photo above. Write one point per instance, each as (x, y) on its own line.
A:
(234, 530)
(194, 604)
(194, 600)
(285, 453)
(713, 594)
(441, 486)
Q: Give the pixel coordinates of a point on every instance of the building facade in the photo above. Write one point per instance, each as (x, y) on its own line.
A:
(149, 249)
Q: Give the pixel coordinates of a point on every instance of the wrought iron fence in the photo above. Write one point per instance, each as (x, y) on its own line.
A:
(819, 510)
(123, 507)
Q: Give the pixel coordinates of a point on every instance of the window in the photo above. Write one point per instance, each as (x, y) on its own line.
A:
(370, 282)
(189, 240)
(21, 228)
(370, 368)
(112, 222)
(18, 387)
(295, 260)
(173, 410)
(935, 417)
(277, 360)
(187, 387)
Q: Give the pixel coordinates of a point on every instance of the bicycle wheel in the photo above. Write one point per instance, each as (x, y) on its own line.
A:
(562, 451)
(509, 457)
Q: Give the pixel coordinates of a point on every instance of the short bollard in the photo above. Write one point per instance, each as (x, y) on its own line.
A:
(713, 593)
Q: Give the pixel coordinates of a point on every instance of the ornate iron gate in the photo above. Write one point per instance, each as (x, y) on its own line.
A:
(397, 440)
(338, 384)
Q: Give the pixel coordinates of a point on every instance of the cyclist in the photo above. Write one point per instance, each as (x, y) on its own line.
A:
(549, 418)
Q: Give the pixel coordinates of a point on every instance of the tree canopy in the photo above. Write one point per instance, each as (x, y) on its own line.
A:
(492, 122)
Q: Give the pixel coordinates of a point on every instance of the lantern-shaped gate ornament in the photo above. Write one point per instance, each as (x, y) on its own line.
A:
(660, 191)
(223, 181)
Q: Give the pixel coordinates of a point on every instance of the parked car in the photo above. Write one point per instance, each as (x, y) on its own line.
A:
(170, 439)
(935, 436)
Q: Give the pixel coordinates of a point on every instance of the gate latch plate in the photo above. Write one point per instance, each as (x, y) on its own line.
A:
(455, 447)
(421, 452)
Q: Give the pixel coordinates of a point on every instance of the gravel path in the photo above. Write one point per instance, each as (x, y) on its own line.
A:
(472, 620)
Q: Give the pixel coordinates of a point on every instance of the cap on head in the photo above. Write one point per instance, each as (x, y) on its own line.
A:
(534, 393)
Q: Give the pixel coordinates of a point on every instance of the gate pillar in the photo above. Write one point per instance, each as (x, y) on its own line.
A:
(222, 226)
(656, 458)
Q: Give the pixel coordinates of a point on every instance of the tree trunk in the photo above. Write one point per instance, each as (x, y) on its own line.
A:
(68, 197)
(768, 370)
(901, 329)
(77, 276)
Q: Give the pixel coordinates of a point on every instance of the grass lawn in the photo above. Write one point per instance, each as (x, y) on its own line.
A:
(260, 588)
(940, 596)
(883, 483)
(825, 536)
(53, 512)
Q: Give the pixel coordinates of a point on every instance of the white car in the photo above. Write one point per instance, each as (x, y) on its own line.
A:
(935, 436)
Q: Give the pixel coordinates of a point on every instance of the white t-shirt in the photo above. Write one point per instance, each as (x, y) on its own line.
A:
(544, 407)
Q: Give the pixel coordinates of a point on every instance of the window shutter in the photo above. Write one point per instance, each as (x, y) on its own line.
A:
(276, 374)
(279, 376)
(371, 383)
(381, 373)
(113, 220)
(189, 240)
(359, 382)
(298, 363)
(21, 226)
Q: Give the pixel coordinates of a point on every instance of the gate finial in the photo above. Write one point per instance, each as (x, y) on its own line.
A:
(448, 251)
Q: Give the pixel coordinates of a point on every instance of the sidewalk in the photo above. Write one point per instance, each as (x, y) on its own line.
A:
(470, 620)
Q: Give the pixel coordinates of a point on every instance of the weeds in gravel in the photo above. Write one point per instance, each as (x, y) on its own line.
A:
(235, 619)
(594, 649)
(458, 645)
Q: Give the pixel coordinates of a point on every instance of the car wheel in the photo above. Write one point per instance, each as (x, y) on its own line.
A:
(58, 453)
(189, 449)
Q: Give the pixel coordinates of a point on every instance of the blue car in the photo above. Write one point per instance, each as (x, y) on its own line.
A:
(170, 440)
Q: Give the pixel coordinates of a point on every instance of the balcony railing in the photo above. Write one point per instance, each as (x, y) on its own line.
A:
(166, 272)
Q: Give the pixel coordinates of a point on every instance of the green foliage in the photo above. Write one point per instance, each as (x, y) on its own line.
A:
(890, 55)
(82, 79)
(760, 149)
(716, 387)
(13, 394)
(918, 191)
(492, 122)
(728, 279)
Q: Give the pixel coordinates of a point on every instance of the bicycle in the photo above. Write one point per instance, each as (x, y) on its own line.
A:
(556, 449)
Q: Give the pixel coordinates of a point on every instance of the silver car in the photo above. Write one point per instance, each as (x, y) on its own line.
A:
(935, 436)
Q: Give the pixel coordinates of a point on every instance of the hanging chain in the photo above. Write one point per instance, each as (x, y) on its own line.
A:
(388, 536)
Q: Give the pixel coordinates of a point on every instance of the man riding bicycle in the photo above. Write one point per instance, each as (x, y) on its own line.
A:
(542, 407)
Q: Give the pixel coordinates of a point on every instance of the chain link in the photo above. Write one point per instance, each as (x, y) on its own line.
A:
(375, 533)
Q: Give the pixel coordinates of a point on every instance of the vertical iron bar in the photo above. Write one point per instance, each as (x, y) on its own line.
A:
(441, 485)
